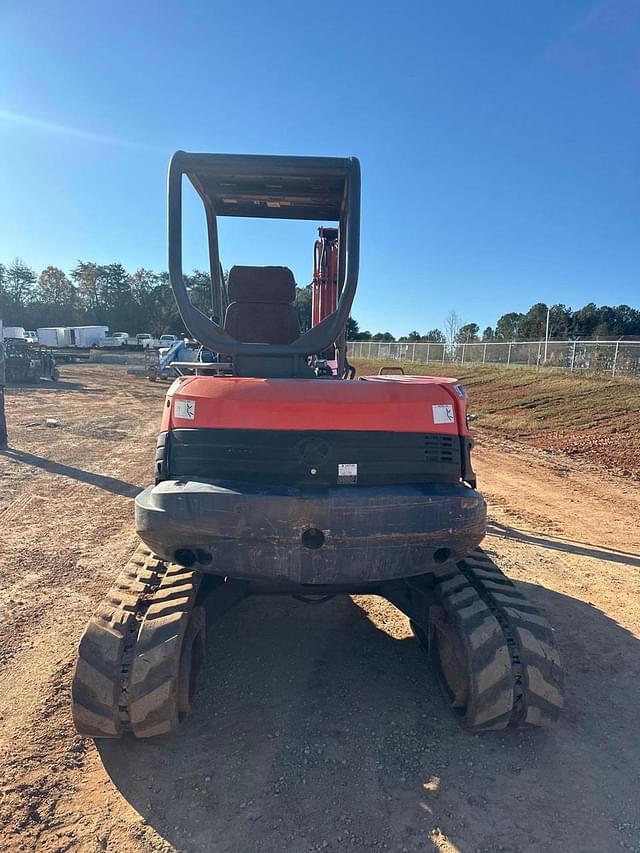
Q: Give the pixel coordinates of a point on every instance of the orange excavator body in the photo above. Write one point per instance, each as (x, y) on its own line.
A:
(420, 404)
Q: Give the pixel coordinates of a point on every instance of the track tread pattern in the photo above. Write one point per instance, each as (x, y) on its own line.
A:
(513, 673)
(99, 678)
(490, 686)
(135, 668)
(536, 670)
(126, 674)
(153, 686)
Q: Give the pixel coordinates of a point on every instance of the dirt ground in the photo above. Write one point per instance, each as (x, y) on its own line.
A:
(315, 728)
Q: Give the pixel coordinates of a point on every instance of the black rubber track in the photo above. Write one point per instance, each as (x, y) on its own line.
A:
(98, 687)
(513, 671)
(537, 671)
(126, 674)
(153, 690)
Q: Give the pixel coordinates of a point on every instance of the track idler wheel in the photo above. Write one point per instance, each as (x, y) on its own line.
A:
(450, 657)
(470, 657)
(191, 659)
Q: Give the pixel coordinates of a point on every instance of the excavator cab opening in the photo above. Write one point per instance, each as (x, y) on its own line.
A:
(259, 328)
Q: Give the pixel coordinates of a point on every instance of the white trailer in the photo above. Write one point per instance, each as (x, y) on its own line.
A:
(16, 332)
(54, 336)
(87, 336)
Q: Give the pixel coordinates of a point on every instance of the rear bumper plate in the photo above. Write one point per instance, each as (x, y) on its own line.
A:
(371, 533)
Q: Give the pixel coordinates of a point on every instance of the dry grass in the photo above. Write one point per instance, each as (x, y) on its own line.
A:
(591, 415)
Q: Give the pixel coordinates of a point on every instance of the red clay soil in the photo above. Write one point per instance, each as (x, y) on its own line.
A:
(617, 445)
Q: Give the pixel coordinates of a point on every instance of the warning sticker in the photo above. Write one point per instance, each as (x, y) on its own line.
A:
(443, 414)
(348, 473)
(185, 409)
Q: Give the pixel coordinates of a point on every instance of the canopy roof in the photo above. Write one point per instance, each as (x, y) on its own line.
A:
(325, 189)
(269, 187)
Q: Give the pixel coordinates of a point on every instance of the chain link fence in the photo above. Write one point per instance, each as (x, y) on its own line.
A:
(613, 357)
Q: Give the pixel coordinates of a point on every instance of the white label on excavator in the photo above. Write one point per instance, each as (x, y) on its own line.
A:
(347, 473)
(443, 415)
(185, 409)
(348, 470)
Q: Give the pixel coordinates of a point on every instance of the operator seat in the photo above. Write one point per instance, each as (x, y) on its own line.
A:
(261, 308)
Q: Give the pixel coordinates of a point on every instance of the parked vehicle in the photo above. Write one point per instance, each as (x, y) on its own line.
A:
(168, 340)
(117, 339)
(54, 336)
(146, 340)
(27, 362)
(16, 333)
(158, 361)
(72, 336)
(87, 336)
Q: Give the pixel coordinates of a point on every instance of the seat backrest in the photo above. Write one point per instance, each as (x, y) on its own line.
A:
(261, 310)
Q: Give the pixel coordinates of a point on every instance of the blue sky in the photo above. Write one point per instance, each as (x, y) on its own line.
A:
(499, 141)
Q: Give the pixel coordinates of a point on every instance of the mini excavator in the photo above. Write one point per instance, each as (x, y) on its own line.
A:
(277, 471)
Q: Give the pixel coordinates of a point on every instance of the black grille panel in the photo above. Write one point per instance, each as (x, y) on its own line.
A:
(442, 449)
(305, 458)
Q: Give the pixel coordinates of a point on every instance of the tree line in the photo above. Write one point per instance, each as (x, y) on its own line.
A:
(591, 321)
(106, 294)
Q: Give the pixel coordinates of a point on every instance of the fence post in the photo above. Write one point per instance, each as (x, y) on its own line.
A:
(381, 350)
(615, 359)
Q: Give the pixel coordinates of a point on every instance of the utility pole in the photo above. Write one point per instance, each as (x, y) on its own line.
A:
(546, 336)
